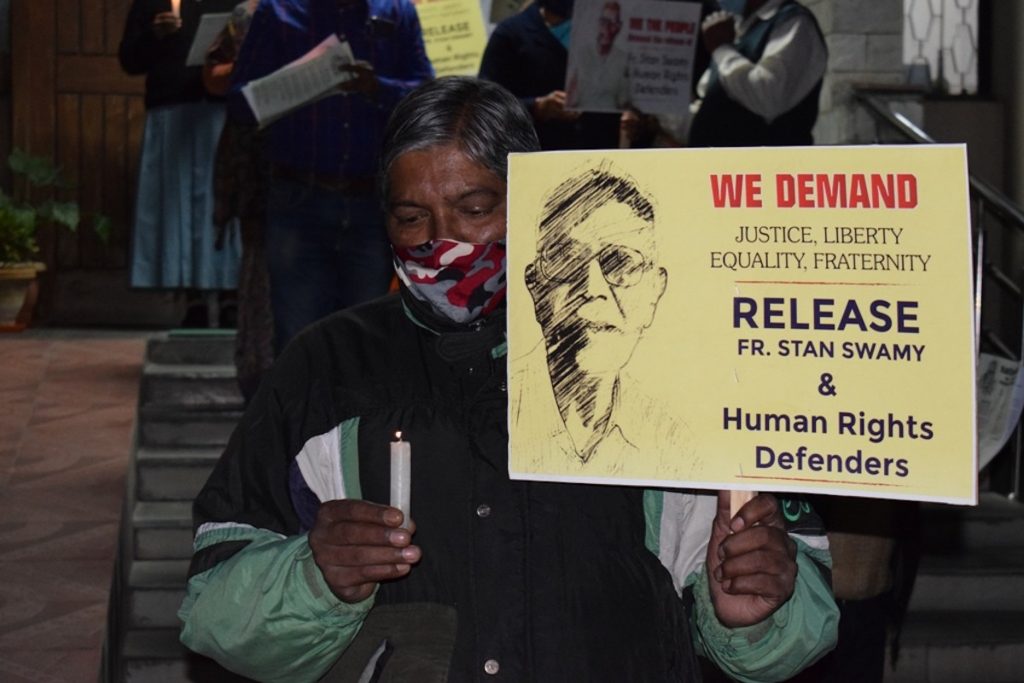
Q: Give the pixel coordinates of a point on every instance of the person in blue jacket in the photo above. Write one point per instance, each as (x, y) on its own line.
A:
(325, 232)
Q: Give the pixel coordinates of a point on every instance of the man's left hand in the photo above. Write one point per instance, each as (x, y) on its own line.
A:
(751, 561)
(364, 79)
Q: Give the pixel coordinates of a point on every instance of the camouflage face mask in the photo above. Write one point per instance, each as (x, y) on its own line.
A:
(461, 281)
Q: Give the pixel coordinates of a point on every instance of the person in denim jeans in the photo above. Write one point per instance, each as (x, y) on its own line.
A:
(325, 231)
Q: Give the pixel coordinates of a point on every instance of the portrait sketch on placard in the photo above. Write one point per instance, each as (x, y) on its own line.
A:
(595, 284)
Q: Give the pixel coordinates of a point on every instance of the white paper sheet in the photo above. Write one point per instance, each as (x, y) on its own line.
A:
(210, 26)
(309, 78)
(1000, 399)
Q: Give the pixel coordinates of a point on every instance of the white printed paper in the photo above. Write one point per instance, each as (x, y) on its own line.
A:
(311, 77)
(1000, 399)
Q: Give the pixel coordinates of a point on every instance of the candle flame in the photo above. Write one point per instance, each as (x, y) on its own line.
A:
(398, 436)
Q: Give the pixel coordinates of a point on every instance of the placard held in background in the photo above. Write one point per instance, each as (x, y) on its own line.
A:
(632, 53)
(454, 35)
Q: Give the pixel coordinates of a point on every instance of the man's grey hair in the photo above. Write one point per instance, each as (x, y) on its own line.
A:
(486, 121)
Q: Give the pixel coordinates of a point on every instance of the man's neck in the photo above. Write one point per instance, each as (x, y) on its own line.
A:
(585, 404)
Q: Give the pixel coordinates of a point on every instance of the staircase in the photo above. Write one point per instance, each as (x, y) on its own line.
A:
(965, 622)
(188, 405)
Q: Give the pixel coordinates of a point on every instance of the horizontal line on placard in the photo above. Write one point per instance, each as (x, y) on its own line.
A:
(824, 282)
(819, 481)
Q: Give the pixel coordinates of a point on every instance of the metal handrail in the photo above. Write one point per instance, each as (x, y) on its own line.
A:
(990, 201)
(900, 123)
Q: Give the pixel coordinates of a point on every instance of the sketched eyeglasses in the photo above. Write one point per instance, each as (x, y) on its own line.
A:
(621, 266)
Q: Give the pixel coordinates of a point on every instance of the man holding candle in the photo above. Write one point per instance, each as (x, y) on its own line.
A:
(173, 237)
(301, 571)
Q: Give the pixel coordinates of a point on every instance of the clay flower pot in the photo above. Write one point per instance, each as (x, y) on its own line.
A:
(19, 289)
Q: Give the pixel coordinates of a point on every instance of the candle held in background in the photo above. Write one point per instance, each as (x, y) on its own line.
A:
(401, 475)
(176, 7)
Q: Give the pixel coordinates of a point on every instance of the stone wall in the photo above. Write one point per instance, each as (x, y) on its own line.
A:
(865, 43)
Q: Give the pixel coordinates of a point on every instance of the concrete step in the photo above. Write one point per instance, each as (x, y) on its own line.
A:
(190, 386)
(154, 656)
(157, 656)
(168, 474)
(162, 427)
(994, 522)
(983, 579)
(162, 530)
(179, 348)
(156, 589)
(960, 647)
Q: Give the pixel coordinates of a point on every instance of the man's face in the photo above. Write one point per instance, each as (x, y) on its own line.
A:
(440, 193)
(595, 288)
(608, 27)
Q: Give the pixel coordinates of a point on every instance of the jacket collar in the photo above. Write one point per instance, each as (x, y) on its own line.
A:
(457, 340)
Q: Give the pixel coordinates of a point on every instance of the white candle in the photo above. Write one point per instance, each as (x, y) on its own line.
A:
(401, 475)
(176, 7)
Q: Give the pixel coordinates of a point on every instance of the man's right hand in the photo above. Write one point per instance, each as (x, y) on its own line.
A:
(551, 107)
(166, 23)
(718, 28)
(357, 545)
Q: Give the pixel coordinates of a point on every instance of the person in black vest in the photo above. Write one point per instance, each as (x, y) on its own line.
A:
(768, 59)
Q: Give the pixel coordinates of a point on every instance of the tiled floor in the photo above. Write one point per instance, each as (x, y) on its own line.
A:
(67, 409)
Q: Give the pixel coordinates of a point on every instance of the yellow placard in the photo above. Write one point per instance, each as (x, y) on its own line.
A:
(788, 319)
(454, 35)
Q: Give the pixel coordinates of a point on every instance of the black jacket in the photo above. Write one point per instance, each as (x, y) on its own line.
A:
(552, 581)
(162, 60)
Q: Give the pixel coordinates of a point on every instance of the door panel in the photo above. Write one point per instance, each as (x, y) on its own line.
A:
(71, 102)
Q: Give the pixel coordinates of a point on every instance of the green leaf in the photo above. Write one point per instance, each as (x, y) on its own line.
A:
(38, 171)
(64, 213)
(17, 234)
(102, 226)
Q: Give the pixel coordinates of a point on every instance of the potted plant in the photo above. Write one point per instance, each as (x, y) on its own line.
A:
(21, 217)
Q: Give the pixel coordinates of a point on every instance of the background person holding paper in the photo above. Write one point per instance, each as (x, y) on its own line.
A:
(172, 232)
(302, 572)
(527, 54)
(325, 233)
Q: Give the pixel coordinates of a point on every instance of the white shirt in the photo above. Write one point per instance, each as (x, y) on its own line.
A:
(793, 61)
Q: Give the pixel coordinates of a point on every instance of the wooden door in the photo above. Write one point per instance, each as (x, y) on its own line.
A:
(71, 102)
